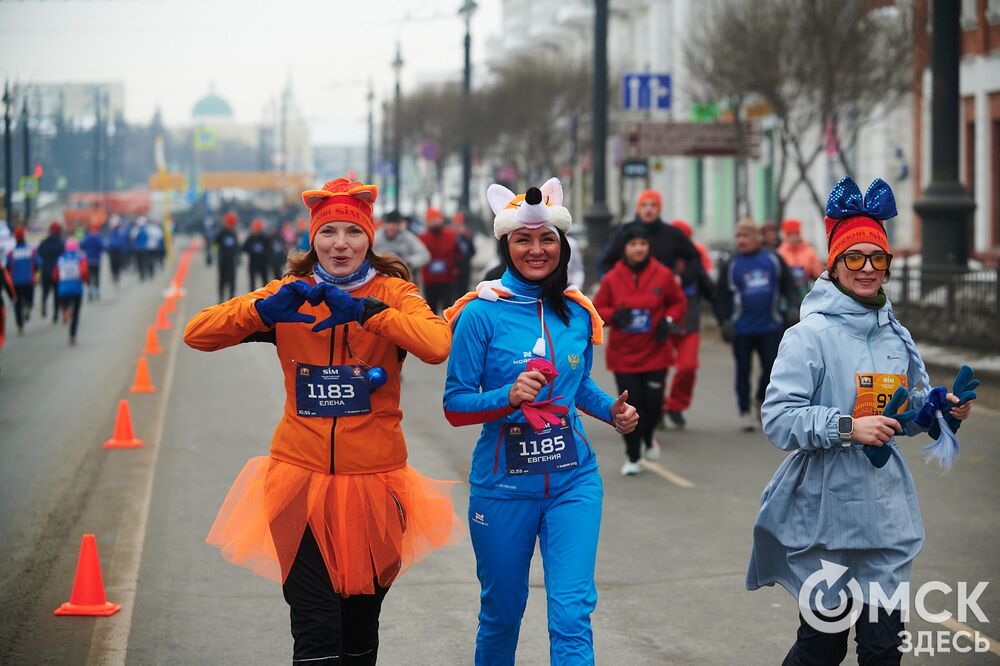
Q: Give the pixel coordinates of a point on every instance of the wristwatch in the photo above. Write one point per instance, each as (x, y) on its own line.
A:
(845, 426)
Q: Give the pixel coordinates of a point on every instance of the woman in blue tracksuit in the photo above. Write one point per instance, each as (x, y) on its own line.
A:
(520, 364)
(842, 508)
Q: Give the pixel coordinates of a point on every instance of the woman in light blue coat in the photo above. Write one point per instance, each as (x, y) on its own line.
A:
(839, 523)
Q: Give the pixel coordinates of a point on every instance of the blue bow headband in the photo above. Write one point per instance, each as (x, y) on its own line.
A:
(845, 201)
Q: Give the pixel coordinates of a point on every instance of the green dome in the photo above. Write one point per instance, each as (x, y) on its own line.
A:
(212, 106)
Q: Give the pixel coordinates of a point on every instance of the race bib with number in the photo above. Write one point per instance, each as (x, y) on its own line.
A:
(552, 449)
(641, 322)
(69, 269)
(874, 390)
(438, 267)
(331, 390)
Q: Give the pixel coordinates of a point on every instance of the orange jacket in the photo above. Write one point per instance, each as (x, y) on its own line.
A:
(360, 444)
(802, 255)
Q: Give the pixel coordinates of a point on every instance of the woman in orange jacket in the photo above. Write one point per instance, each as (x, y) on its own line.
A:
(334, 513)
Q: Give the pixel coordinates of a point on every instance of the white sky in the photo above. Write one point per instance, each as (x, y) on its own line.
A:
(167, 53)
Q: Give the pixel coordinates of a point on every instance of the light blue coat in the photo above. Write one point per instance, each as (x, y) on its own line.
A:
(827, 501)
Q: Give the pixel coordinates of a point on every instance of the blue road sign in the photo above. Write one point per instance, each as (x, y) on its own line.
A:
(646, 91)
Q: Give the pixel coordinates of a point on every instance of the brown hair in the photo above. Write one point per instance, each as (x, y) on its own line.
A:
(301, 264)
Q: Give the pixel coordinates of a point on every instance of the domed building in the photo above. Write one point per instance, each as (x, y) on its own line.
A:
(211, 109)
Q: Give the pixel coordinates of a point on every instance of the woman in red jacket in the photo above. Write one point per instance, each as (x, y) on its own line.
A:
(645, 304)
(334, 513)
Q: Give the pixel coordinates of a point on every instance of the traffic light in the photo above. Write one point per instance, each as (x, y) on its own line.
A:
(39, 170)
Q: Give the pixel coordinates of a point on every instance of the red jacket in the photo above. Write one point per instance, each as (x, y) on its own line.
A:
(445, 256)
(654, 293)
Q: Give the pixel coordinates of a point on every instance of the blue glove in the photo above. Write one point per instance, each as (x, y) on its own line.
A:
(343, 307)
(879, 455)
(283, 305)
(965, 388)
(936, 400)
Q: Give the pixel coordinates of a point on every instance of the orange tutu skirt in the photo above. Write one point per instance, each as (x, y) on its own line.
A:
(368, 526)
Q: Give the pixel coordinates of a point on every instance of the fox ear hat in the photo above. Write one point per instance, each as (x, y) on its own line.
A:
(513, 211)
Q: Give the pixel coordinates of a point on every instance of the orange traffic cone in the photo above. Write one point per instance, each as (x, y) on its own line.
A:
(123, 438)
(152, 343)
(142, 383)
(87, 597)
(162, 322)
(169, 302)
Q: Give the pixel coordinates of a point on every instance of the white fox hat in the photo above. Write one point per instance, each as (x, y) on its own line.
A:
(538, 207)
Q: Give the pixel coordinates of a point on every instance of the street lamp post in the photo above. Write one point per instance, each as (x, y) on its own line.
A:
(945, 207)
(26, 146)
(466, 11)
(8, 158)
(397, 140)
(370, 157)
(598, 217)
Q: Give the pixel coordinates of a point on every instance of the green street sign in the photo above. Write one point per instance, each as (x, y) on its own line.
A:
(29, 185)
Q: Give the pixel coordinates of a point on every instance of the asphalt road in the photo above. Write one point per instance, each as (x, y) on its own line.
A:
(674, 542)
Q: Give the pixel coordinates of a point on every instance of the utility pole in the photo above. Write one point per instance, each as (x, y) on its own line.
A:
(8, 158)
(397, 139)
(945, 207)
(28, 171)
(370, 157)
(598, 218)
(463, 204)
(97, 140)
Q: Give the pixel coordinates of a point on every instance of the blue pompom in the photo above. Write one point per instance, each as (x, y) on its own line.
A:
(376, 378)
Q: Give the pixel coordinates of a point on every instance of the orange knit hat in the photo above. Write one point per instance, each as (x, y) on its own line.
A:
(791, 226)
(649, 194)
(852, 218)
(342, 200)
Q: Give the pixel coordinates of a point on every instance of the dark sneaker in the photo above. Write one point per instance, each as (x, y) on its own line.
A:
(677, 418)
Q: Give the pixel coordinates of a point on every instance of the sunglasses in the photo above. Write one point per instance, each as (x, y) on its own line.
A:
(855, 261)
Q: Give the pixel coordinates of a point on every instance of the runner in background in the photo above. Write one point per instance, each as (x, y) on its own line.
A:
(642, 300)
(93, 247)
(440, 274)
(687, 343)
(22, 262)
(257, 247)
(70, 275)
(228, 253)
(117, 248)
(392, 237)
(754, 285)
(49, 251)
(800, 256)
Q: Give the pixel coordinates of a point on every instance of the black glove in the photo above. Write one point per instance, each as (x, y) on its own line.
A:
(666, 328)
(621, 318)
(728, 330)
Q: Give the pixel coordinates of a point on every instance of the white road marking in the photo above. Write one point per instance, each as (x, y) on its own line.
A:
(109, 643)
(954, 626)
(666, 473)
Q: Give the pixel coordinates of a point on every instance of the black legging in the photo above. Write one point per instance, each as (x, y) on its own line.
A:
(72, 304)
(645, 392)
(325, 626)
(25, 299)
(877, 642)
(766, 345)
(50, 285)
(227, 282)
(439, 296)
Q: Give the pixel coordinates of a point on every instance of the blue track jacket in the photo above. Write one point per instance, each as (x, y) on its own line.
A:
(492, 343)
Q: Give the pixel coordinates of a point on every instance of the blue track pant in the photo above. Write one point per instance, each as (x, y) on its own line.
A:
(503, 536)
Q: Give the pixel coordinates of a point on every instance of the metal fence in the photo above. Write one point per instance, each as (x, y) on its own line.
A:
(948, 306)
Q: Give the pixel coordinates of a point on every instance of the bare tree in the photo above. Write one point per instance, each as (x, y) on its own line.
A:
(520, 117)
(819, 64)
